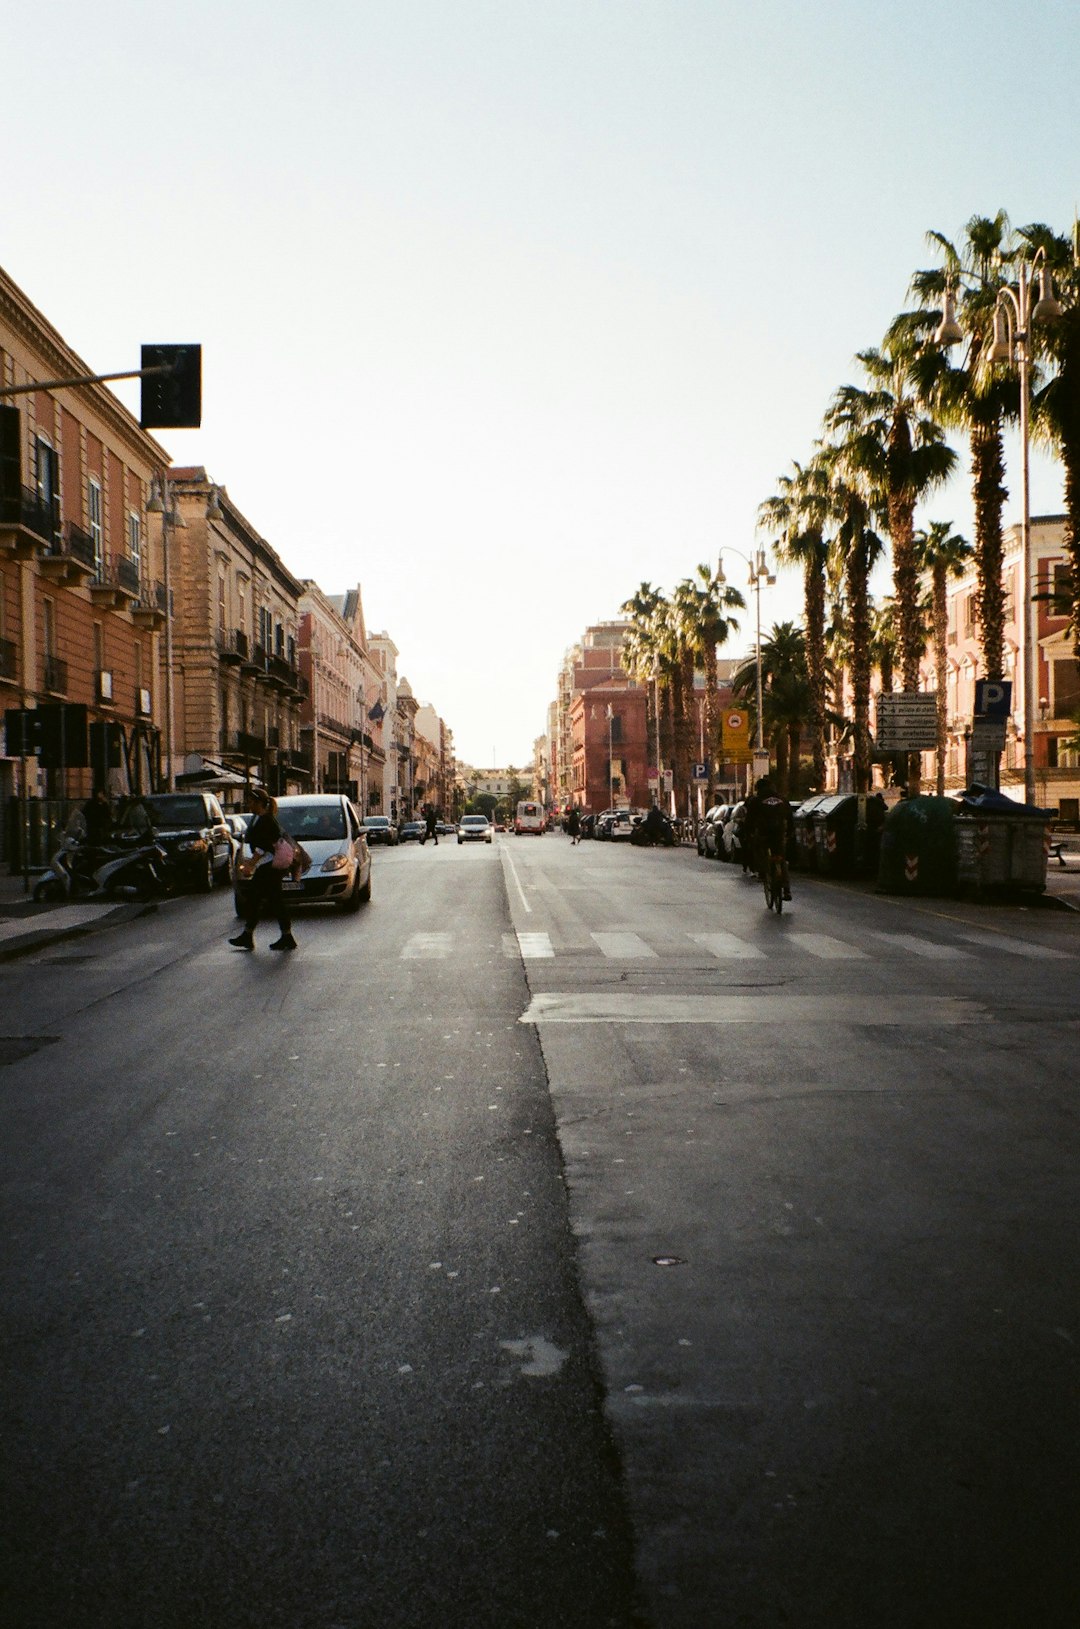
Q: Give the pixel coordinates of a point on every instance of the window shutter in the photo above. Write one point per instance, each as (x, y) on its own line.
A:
(10, 463)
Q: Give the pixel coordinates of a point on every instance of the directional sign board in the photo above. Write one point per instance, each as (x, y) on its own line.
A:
(907, 721)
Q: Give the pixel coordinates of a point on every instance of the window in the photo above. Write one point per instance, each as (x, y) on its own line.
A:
(221, 600)
(93, 511)
(1066, 697)
(266, 632)
(279, 640)
(616, 727)
(135, 542)
(47, 481)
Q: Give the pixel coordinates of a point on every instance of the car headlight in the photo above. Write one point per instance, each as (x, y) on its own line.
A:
(336, 862)
(192, 845)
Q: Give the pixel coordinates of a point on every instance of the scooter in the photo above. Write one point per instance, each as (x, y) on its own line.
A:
(132, 868)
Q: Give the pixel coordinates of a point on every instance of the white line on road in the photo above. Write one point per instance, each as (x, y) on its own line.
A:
(1015, 947)
(761, 1007)
(826, 947)
(506, 856)
(534, 946)
(726, 946)
(923, 947)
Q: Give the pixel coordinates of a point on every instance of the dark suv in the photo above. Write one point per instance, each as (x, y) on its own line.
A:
(192, 829)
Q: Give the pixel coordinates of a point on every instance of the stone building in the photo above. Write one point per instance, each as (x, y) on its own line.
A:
(237, 686)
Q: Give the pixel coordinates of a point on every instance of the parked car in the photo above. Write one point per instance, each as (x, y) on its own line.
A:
(411, 832)
(329, 827)
(732, 835)
(622, 825)
(474, 828)
(192, 829)
(709, 832)
(445, 828)
(379, 829)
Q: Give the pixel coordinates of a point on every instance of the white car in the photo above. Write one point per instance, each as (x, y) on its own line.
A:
(474, 829)
(621, 826)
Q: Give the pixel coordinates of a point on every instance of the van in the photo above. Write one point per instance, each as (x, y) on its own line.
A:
(529, 817)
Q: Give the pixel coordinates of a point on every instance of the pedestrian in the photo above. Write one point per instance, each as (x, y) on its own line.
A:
(431, 821)
(264, 894)
(573, 825)
(97, 816)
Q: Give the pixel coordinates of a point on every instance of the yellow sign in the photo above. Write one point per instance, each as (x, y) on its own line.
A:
(736, 735)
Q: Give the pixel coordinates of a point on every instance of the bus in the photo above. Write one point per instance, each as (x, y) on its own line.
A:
(529, 818)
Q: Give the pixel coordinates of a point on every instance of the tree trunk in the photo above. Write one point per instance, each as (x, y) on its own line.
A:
(712, 722)
(941, 667)
(859, 611)
(988, 470)
(814, 598)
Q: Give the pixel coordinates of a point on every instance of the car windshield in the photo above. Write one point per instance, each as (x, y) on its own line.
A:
(175, 811)
(377, 820)
(319, 821)
(474, 820)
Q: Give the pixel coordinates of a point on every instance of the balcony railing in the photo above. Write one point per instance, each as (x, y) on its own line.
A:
(28, 509)
(56, 675)
(8, 658)
(127, 573)
(298, 758)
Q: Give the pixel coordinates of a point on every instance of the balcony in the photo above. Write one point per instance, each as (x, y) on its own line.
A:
(70, 558)
(244, 744)
(232, 646)
(28, 523)
(8, 659)
(55, 676)
(114, 586)
(298, 759)
(149, 609)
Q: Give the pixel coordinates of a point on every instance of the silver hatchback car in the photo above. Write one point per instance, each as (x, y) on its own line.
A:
(328, 826)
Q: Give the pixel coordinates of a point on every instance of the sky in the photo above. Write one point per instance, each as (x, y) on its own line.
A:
(508, 306)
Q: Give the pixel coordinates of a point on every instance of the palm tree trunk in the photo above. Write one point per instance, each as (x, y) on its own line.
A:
(906, 590)
(814, 605)
(859, 607)
(941, 667)
(712, 722)
(988, 470)
(780, 753)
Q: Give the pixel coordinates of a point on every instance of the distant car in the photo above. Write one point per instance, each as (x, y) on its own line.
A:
(444, 828)
(192, 829)
(411, 832)
(709, 832)
(732, 835)
(603, 823)
(329, 828)
(529, 817)
(621, 826)
(474, 829)
(379, 829)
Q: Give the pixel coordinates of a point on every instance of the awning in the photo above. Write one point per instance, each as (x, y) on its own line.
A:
(211, 776)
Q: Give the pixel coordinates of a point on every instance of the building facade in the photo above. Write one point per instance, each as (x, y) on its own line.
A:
(82, 598)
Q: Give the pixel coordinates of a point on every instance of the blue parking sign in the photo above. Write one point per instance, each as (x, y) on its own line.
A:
(993, 698)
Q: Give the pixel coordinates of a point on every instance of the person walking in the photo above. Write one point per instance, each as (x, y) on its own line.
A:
(97, 814)
(573, 825)
(265, 897)
(431, 821)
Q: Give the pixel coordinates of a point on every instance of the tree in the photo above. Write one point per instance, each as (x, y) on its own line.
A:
(796, 516)
(642, 656)
(1056, 415)
(942, 554)
(857, 547)
(785, 698)
(705, 606)
(902, 455)
(978, 399)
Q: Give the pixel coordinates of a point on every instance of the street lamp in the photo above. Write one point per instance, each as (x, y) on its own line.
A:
(610, 761)
(760, 576)
(1011, 343)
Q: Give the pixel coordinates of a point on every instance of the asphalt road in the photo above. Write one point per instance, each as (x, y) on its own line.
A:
(382, 1284)
(293, 1333)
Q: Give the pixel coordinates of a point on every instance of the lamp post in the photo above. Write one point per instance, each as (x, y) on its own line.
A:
(760, 576)
(1010, 343)
(610, 762)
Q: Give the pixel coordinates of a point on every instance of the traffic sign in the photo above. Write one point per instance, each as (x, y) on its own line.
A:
(700, 772)
(993, 698)
(907, 721)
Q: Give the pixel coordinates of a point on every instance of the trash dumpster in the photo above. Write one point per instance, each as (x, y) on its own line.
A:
(805, 850)
(918, 847)
(1001, 845)
(847, 831)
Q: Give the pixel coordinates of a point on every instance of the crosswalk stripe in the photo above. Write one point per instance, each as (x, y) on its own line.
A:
(924, 947)
(535, 946)
(427, 947)
(726, 946)
(824, 946)
(624, 946)
(1015, 947)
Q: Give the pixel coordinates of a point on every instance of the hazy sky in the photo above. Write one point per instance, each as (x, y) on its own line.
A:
(508, 305)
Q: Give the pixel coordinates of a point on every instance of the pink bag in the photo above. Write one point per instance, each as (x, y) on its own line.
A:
(284, 854)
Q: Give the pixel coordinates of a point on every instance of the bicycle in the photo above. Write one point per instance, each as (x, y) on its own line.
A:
(772, 878)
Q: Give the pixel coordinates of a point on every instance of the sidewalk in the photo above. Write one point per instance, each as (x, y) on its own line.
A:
(26, 926)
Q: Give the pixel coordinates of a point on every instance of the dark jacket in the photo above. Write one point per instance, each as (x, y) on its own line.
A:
(263, 833)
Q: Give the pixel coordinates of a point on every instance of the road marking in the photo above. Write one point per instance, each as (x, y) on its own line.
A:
(624, 946)
(428, 947)
(534, 946)
(726, 946)
(1016, 947)
(759, 1007)
(826, 947)
(508, 857)
(923, 947)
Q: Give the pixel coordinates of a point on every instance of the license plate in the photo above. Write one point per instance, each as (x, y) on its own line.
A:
(291, 887)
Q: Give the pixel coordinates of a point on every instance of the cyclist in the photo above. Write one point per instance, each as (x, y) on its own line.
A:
(767, 828)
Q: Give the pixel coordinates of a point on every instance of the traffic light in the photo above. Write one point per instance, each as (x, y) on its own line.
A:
(173, 400)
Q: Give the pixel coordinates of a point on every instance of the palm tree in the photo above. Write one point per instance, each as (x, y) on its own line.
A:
(642, 653)
(857, 547)
(942, 553)
(978, 399)
(705, 606)
(796, 516)
(786, 698)
(1057, 405)
(903, 456)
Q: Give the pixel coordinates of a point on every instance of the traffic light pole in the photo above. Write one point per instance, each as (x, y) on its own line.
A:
(84, 379)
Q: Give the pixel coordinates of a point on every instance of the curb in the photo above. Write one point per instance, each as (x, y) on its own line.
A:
(24, 944)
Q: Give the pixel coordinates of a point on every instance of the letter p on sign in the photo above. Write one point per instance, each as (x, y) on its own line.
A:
(993, 698)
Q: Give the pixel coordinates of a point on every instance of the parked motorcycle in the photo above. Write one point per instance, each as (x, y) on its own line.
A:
(655, 831)
(133, 867)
